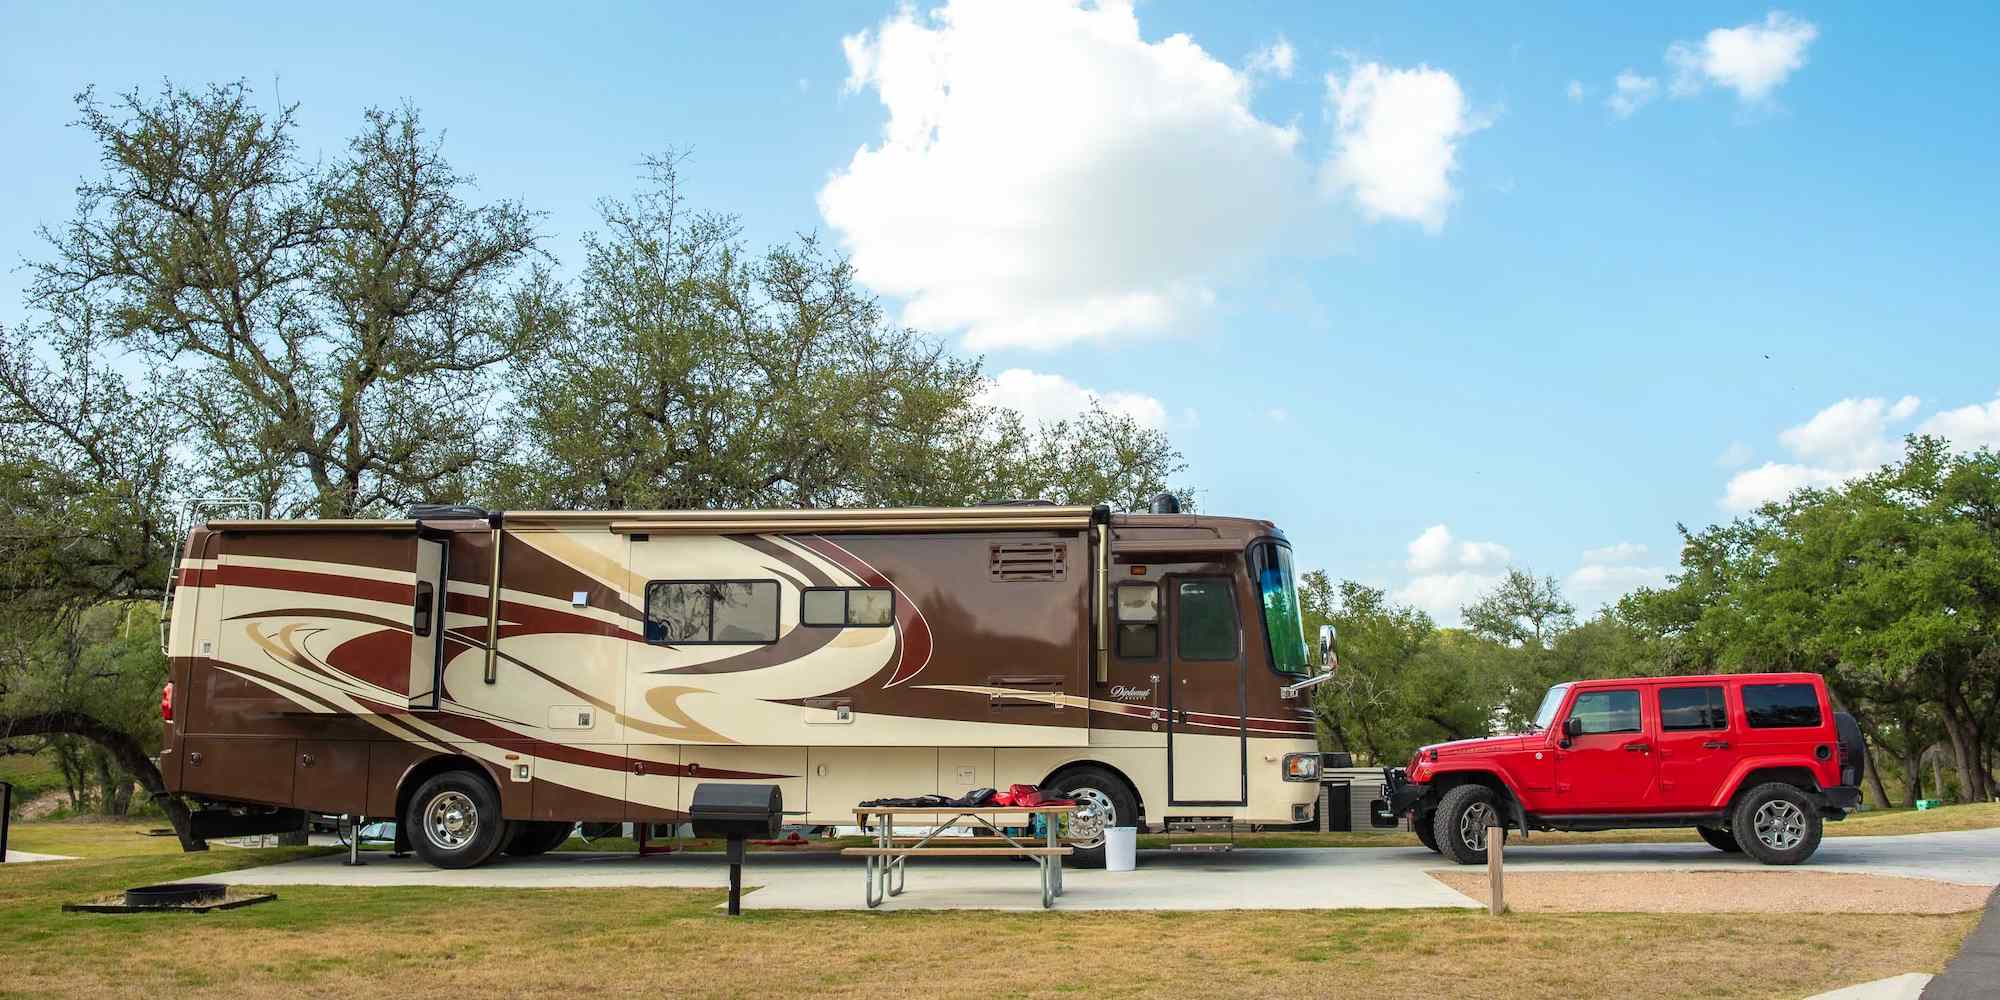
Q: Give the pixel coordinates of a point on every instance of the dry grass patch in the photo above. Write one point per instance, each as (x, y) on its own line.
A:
(1720, 892)
(327, 941)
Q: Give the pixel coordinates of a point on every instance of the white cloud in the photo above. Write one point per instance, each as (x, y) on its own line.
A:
(1623, 552)
(1593, 586)
(1630, 92)
(1752, 59)
(1046, 175)
(1437, 549)
(1275, 59)
(1396, 141)
(1278, 414)
(1043, 397)
(1574, 91)
(1735, 456)
(1968, 427)
(1850, 438)
(1850, 434)
(1444, 594)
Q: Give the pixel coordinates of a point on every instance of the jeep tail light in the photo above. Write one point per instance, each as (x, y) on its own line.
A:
(167, 702)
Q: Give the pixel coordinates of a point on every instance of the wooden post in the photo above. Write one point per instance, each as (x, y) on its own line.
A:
(1496, 838)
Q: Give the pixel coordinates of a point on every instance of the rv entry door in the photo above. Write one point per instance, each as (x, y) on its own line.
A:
(1206, 737)
(427, 621)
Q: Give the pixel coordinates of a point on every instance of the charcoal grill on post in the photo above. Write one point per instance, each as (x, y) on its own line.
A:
(736, 813)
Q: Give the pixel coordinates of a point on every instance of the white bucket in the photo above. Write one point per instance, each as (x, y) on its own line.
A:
(1121, 848)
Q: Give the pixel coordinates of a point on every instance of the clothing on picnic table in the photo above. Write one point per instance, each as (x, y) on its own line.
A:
(1016, 795)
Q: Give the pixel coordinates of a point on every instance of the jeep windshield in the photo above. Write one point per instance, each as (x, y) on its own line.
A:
(1284, 626)
(1550, 702)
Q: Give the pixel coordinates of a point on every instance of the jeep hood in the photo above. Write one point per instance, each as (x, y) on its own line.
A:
(1482, 745)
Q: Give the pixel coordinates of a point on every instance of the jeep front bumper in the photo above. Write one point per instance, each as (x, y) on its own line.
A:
(1402, 793)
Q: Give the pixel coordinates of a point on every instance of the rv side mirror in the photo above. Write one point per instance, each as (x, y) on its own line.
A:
(1328, 659)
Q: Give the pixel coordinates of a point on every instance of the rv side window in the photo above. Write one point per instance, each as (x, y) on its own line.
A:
(837, 607)
(1205, 618)
(737, 612)
(1138, 620)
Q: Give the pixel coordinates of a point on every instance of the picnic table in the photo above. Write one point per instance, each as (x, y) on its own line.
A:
(886, 863)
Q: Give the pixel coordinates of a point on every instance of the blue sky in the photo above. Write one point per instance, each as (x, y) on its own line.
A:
(1376, 269)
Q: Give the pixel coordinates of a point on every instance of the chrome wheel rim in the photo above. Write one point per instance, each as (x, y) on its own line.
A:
(1472, 824)
(451, 821)
(1094, 814)
(1780, 825)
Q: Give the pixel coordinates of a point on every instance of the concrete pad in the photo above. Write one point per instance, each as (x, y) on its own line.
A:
(1967, 857)
(1252, 878)
(22, 857)
(1908, 986)
(1246, 879)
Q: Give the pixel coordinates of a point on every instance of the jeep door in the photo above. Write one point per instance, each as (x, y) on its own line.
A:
(1608, 765)
(1696, 745)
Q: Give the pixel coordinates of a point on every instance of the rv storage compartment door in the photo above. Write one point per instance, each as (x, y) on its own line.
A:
(427, 616)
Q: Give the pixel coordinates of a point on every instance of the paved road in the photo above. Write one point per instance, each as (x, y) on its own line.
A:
(1369, 877)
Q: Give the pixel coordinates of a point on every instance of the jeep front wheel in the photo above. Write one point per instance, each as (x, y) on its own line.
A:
(1461, 821)
(1422, 823)
(1777, 824)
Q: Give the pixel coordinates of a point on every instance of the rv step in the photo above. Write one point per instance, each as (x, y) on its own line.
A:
(1204, 848)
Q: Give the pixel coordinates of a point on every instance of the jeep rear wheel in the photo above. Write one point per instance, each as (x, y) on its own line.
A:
(1720, 839)
(1777, 824)
(1461, 822)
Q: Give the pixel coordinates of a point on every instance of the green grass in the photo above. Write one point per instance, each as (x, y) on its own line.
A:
(30, 774)
(421, 940)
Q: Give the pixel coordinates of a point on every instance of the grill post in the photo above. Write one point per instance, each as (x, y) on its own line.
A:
(6, 815)
(735, 874)
(1496, 839)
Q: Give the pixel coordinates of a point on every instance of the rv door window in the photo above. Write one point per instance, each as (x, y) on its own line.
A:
(420, 625)
(837, 607)
(1138, 621)
(735, 612)
(1206, 617)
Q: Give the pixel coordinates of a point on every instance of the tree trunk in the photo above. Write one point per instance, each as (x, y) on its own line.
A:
(1875, 777)
(1971, 782)
(123, 748)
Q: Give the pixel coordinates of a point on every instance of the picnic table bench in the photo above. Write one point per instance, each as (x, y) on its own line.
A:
(885, 864)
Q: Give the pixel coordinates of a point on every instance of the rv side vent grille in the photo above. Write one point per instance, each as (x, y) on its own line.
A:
(1027, 561)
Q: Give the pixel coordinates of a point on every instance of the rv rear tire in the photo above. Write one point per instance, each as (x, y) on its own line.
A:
(531, 838)
(454, 820)
(1109, 804)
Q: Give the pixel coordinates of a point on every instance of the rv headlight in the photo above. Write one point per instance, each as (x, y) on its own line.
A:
(1301, 767)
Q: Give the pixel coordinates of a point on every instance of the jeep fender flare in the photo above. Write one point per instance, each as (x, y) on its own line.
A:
(1792, 769)
(1509, 799)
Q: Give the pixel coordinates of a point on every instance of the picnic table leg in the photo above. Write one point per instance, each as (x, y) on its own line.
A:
(1054, 859)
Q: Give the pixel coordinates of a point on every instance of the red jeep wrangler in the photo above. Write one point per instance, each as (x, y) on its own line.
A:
(1755, 762)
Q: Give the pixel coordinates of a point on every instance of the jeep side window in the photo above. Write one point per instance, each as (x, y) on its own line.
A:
(1606, 712)
(1692, 708)
(1780, 706)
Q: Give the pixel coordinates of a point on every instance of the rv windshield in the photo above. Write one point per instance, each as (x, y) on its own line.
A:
(1284, 626)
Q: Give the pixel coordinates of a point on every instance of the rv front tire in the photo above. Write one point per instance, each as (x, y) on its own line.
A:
(1104, 802)
(454, 821)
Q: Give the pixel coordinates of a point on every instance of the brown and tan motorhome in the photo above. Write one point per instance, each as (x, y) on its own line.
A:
(1148, 665)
